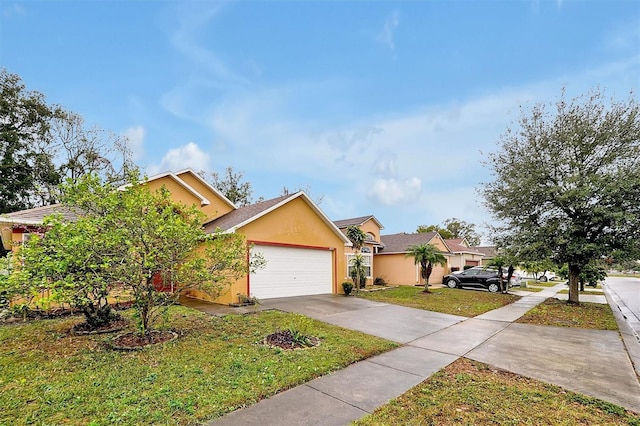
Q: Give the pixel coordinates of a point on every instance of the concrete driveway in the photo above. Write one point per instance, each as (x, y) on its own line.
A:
(392, 322)
(592, 362)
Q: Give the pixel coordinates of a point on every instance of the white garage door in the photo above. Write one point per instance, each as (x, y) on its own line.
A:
(292, 271)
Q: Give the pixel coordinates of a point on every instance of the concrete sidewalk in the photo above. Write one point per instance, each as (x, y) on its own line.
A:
(592, 362)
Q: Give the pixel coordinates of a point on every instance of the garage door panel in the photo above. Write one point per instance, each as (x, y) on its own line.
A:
(292, 271)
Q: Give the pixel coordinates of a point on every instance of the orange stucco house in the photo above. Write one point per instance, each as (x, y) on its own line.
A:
(393, 264)
(303, 249)
(371, 228)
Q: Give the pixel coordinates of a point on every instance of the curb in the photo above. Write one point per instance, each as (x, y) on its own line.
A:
(628, 325)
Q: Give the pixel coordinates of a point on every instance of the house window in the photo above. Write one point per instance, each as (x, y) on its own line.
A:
(26, 236)
(367, 263)
(365, 250)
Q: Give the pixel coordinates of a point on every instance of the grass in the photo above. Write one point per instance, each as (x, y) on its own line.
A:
(586, 291)
(218, 364)
(559, 313)
(542, 284)
(472, 393)
(466, 303)
(531, 289)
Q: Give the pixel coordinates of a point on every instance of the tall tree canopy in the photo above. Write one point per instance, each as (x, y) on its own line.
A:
(566, 182)
(231, 185)
(41, 144)
(454, 228)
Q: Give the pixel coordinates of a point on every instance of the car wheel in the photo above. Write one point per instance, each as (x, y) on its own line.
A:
(493, 287)
(452, 283)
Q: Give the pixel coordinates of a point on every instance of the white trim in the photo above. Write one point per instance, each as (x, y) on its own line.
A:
(209, 186)
(7, 220)
(203, 200)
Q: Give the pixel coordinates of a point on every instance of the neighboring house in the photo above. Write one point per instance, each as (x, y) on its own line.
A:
(463, 255)
(488, 252)
(303, 249)
(371, 228)
(393, 264)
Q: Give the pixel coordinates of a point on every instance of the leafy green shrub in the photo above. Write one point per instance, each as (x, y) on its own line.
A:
(347, 287)
(379, 281)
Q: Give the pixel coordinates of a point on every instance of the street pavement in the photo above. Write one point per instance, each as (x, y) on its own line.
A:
(593, 362)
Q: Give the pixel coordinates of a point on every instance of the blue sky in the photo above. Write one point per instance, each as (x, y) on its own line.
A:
(379, 107)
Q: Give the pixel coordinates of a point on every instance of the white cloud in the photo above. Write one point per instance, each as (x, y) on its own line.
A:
(135, 141)
(12, 10)
(186, 156)
(386, 36)
(392, 192)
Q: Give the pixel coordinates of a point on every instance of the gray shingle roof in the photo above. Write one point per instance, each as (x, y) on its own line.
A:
(398, 243)
(343, 223)
(236, 217)
(456, 246)
(488, 251)
(37, 215)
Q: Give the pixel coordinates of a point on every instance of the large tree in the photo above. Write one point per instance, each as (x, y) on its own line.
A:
(566, 182)
(231, 185)
(454, 228)
(24, 124)
(427, 256)
(41, 144)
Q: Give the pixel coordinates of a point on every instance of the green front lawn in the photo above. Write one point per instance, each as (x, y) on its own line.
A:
(559, 313)
(463, 302)
(472, 393)
(217, 365)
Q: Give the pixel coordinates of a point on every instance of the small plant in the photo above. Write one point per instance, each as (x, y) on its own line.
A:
(347, 287)
(248, 300)
(379, 281)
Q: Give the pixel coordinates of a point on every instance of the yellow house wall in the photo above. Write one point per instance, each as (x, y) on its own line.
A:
(395, 268)
(400, 270)
(178, 192)
(294, 223)
(217, 208)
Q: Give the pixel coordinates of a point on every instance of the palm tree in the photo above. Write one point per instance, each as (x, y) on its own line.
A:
(357, 238)
(427, 255)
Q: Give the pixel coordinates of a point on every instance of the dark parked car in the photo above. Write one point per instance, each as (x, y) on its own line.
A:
(474, 277)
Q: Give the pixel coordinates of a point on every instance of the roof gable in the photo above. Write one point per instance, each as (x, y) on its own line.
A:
(357, 221)
(204, 201)
(242, 216)
(206, 185)
(460, 245)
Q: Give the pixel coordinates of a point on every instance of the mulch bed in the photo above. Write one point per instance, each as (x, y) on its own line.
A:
(39, 314)
(133, 341)
(284, 339)
(84, 328)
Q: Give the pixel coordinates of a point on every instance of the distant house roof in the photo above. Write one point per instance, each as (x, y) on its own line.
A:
(356, 221)
(36, 215)
(459, 245)
(244, 215)
(399, 243)
(488, 251)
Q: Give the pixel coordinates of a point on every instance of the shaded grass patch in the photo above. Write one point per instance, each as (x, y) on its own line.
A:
(471, 393)
(218, 364)
(467, 303)
(559, 313)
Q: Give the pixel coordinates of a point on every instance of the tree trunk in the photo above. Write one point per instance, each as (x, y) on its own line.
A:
(574, 278)
(426, 272)
(510, 271)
